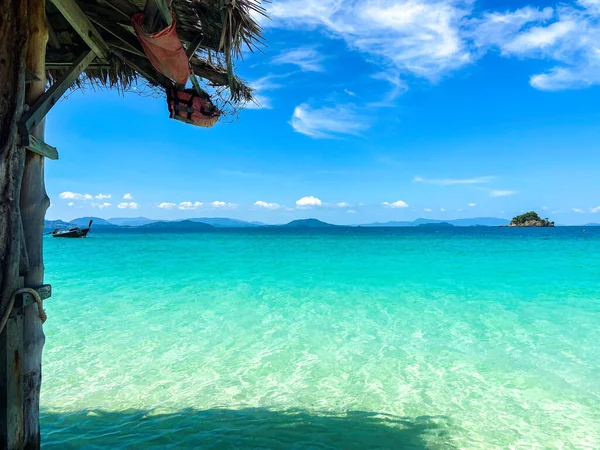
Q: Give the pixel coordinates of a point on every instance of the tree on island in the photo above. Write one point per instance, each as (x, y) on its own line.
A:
(530, 219)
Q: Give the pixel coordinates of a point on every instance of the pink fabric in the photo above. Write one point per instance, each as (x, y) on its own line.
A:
(164, 50)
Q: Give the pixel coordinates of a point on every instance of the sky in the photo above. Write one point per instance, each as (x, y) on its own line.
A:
(367, 111)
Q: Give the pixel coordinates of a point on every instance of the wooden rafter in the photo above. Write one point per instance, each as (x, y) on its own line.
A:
(40, 108)
(82, 25)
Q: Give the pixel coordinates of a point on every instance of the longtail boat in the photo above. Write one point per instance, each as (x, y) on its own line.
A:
(75, 232)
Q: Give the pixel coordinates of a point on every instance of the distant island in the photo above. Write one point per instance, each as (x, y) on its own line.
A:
(308, 223)
(530, 219)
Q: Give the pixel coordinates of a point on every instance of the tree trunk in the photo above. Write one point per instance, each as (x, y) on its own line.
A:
(34, 203)
(13, 47)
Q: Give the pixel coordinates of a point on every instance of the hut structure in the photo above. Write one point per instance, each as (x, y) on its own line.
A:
(46, 48)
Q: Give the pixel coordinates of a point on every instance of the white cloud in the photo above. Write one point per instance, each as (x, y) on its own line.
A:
(70, 204)
(472, 204)
(351, 211)
(343, 205)
(189, 205)
(267, 205)
(396, 204)
(501, 193)
(566, 35)
(430, 38)
(261, 86)
(399, 87)
(167, 205)
(219, 204)
(595, 210)
(74, 196)
(427, 210)
(328, 122)
(102, 196)
(127, 197)
(442, 209)
(577, 210)
(101, 205)
(307, 58)
(452, 181)
(350, 93)
(421, 37)
(308, 202)
(128, 205)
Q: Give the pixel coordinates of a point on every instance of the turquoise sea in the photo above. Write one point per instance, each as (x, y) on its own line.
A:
(406, 338)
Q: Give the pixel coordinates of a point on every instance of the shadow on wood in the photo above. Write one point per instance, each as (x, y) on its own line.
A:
(243, 428)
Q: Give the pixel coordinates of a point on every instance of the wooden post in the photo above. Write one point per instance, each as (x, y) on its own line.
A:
(13, 47)
(34, 203)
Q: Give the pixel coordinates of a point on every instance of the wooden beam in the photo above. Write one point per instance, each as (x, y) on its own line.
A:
(39, 147)
(143, 66)
(194, 46)
(129, 41)
(31, 77)
(66, 65)
(24, 300)
(40, 108)
(126, 8)
(82, 25)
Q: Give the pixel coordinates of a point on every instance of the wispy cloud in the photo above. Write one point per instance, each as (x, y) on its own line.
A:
(224, 205)
(127, 197)
(101, 205)
(427, 210)
(431, 38)
(420, 37)
(328, 122)
(351, 211)
(128, 205)
(452, 181)
(308, 202)
(443, 209)
(308, 59)
(502, 193)
(102, 196)
(396, 204)
(267, 205)
(74, 196)
(167, 205)
(187, 206)
(472, 204)
(578, 210)
(595, 210)
(398, 87)
(261, 87)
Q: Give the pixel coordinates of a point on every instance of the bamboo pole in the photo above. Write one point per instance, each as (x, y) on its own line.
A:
(34, 203)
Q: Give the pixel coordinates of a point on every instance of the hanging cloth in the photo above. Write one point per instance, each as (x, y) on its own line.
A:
(164, 50)
(187, 106)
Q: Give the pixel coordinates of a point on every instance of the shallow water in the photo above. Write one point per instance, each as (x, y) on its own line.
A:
(361, 338)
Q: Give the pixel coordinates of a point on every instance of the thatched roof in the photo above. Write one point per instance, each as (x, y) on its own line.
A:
(199, 22)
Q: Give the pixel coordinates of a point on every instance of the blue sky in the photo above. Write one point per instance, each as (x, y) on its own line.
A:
(369, 111)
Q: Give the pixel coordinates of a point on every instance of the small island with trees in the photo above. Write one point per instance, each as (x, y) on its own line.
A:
(530, 219)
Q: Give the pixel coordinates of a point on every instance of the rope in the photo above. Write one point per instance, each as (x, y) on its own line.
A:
(11, 303)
